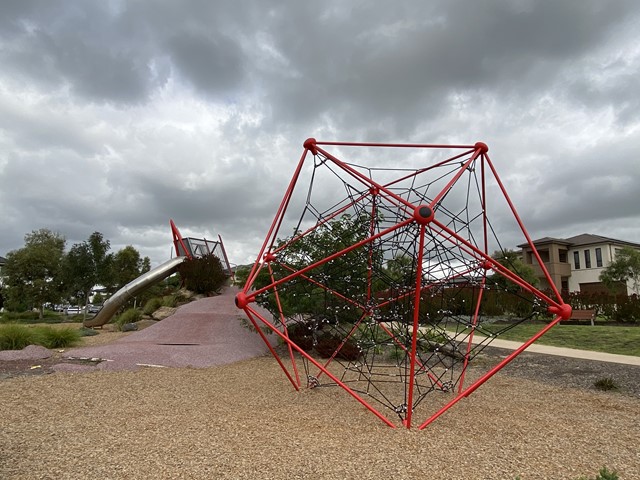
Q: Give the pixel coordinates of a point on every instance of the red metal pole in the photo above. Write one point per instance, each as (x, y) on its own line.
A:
(226, 259)
(416, 325)
(277, 221)
(525, 233)
(315, 363)
(491, 372)
(177, 240)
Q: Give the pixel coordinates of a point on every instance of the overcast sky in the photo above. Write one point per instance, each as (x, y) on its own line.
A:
(116, 116)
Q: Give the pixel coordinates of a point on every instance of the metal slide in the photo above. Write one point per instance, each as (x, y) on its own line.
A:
(144, 281)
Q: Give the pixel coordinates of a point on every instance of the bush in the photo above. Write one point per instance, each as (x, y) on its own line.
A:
(128, 316)
(203, 275)
(31, 317)
(87, 332)
(328, 343)
(302, 335)
(152, 305)
(605, 384)
(16, 337)
(604, 474)
(57, 337)
(170, 300)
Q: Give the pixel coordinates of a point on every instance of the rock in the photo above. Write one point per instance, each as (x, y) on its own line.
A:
(31, 352)
(163, 312)
(129, 327)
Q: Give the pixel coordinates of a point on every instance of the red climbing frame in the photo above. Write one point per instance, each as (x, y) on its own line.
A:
(414, 332)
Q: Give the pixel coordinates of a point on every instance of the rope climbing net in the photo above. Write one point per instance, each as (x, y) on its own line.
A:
(391, 281)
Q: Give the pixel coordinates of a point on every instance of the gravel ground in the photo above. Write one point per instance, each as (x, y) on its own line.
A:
(245, 421)
(539, 418)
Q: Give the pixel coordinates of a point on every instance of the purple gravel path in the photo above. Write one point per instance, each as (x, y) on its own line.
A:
(200, 334)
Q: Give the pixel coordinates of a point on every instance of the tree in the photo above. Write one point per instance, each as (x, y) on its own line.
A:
(86, 265)
(126, 265)
(347, 275)
(625, 267)
(33, 273)
(510, 259)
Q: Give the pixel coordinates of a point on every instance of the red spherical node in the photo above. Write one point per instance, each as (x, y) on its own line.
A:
(310, 144)
(241, 300)
(564, 311)
(367, 298)
(423, 214)
(483, 147)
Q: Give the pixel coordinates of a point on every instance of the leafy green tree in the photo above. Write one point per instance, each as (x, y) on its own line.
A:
(33, 273)
(402, 270)
(625, 267)
(78, 273)
(347, 275)
(126, 265)
(510, 259)
(86, 265)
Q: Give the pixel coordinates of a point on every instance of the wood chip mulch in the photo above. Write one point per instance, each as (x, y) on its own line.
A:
(539, 418)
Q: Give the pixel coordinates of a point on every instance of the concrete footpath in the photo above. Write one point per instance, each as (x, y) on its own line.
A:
(568, 352)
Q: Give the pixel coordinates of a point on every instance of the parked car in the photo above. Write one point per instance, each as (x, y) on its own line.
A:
(73, 310)
(94, 308)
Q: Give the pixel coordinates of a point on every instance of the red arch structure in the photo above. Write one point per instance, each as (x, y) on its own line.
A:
(385, 275)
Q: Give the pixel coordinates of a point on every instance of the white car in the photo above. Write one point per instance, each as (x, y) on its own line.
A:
(73, 310)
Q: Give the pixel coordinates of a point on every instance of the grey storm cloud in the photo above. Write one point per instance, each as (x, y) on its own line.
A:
(116, 116)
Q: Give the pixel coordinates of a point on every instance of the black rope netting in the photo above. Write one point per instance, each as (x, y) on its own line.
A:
(372, 297)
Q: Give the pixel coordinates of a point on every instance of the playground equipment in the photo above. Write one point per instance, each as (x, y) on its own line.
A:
(185, 248)
(386, 277)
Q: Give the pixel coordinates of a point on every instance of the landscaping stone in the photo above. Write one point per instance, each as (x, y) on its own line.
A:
(33, 352)
(163, 312)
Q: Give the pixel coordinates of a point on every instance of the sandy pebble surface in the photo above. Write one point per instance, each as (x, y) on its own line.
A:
(244, 420)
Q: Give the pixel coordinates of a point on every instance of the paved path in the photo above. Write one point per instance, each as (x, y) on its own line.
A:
(569, 352)
(200, 334)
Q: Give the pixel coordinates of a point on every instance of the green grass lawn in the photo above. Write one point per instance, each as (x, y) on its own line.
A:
(609, 339)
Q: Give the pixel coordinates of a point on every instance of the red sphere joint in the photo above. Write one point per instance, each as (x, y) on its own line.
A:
(482, 147)
(423, 214)
(310, 144)
(241, 300)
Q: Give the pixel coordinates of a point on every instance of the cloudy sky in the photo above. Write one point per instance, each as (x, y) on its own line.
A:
(116, 116)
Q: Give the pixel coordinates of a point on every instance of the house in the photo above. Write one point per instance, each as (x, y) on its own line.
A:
(574, 264)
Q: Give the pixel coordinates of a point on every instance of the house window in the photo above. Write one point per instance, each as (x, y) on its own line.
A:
(598, 257)
(576, 260)
(587, 259)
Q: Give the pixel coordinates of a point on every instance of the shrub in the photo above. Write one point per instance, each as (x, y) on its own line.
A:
(328, 343)
(31, 317)
(16, 337)
(605, 384)
(203, 275)
(302, 335)
(87, 332)
(170, 300)
(603, 474)
(131, 315)
(57, 337)
(152, 305)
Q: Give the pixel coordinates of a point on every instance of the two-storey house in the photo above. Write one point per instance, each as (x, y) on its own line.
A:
(575, 263)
